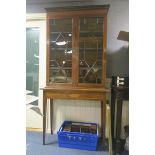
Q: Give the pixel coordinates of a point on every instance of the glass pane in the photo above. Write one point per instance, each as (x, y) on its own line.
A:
(61, 51)
(90, 49)
(32, 65)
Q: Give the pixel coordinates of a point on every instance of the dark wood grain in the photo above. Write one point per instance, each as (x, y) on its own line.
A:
(44, 116)
(51, 114)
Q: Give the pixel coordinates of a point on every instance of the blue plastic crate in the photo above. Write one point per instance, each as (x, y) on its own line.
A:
(77, 140)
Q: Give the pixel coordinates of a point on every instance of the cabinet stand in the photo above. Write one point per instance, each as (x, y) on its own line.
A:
(76, 94)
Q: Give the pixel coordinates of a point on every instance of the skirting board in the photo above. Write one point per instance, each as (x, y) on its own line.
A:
(37, 129)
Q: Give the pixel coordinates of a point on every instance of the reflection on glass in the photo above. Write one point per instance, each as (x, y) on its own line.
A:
(90, 49)
(32, 65)
(61, 51)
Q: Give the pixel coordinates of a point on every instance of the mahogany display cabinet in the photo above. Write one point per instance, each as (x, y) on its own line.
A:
(76, 57)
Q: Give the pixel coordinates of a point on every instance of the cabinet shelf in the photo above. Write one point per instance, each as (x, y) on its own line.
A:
(82, 33)
(58, 68)
(80, 49)
(60, 32)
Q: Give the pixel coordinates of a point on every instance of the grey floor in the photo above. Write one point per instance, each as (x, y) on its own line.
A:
(34, 146)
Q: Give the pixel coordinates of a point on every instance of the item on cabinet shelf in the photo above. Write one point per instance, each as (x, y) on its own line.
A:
(90, 76)
(60, 76)
(60, 40)
(82, 135)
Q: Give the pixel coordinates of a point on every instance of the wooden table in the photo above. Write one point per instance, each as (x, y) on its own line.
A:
(98, 94)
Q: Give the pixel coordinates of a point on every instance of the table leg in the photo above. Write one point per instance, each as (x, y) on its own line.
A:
(103, 120)
(118, 125)
(44, 117)
(51, 113)
(112, 112)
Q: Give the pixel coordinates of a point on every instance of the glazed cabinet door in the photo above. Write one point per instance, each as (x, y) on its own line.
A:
(59, 66)
(91, 45)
